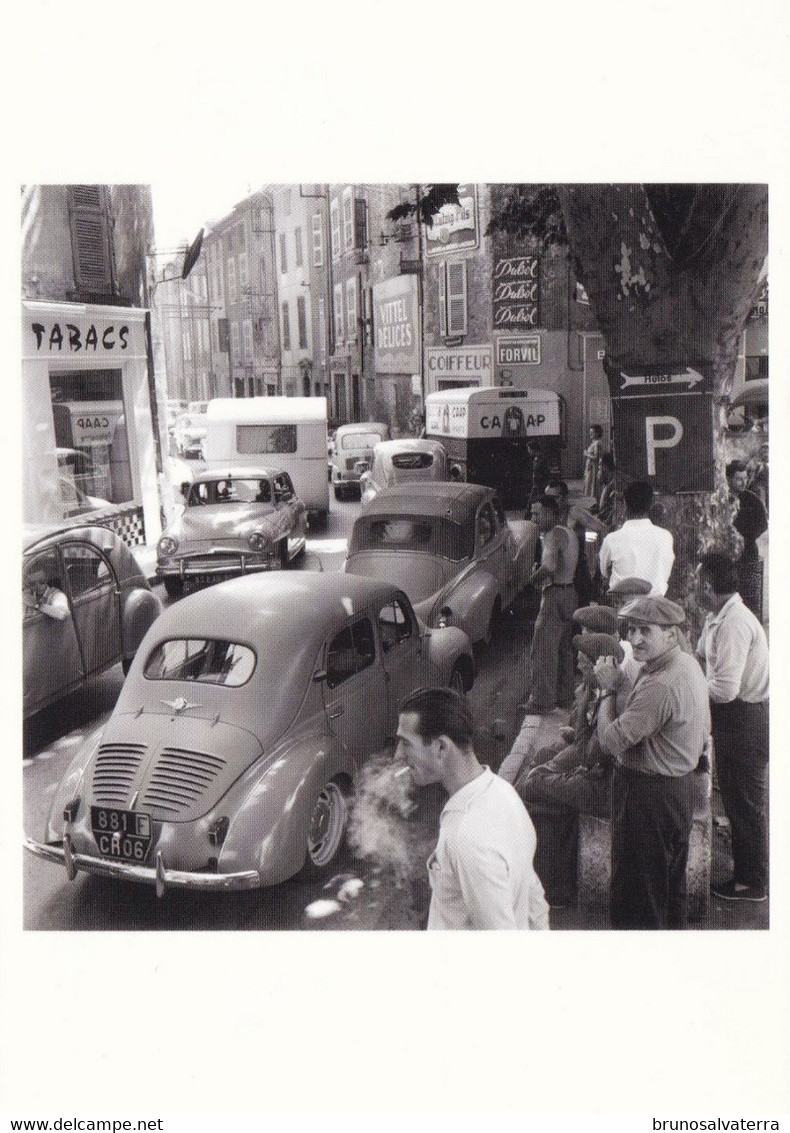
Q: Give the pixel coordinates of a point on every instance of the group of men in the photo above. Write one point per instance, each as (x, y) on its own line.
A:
(636, 750)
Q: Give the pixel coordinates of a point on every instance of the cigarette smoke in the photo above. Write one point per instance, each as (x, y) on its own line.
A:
(379, 828)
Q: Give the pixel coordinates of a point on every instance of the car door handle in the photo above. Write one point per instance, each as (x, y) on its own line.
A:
(337, 712)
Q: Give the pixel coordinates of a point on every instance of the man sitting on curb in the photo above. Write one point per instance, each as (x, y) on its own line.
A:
(576, 780)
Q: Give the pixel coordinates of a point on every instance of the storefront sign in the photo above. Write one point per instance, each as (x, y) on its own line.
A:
(663, 425)
(454, 226)
(462, 364)
(86, 338)
(516, 292)
(395, 315)
(518, 351)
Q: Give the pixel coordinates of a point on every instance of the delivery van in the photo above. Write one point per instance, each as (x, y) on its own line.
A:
(486, 433)
(279, 432)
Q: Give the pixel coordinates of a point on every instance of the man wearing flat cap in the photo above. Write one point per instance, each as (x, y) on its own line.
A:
(656, 741)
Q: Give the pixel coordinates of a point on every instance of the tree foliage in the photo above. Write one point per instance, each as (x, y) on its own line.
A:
(429, 200)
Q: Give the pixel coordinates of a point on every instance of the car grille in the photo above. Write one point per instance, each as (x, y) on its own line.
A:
(113, 775)
(213, 562)
(178, 781)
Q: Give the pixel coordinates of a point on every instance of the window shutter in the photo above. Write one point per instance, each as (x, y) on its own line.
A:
(334, 212)
(338, 312)
(351, 309)
(456, 299)
(348, 219)
(90, 240)
(360, 223)
(298, 246)
(443, 301)
(301, 318)
(283, 255)
(318, 241)
(286, 328)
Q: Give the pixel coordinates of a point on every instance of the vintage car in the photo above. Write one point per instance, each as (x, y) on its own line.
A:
(86, 606)
(189, 433)
(450, 547)
(352, 451)
(235, 522)
(228, 760)
(406, 461)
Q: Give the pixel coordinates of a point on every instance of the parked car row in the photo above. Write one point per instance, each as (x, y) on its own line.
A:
(249, 706)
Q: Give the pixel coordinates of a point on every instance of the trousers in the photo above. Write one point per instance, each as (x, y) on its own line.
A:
(740, 741)
(551, 651)
(651, 828)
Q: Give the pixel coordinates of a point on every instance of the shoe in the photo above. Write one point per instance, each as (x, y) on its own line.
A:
(734, 891)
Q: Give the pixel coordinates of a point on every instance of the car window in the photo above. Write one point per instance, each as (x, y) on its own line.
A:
(265, 438)
(359, 440)
(412, 461)
(228, 490)
(433, 534)
(282, 489)
(86, 569)
(485, 525)
(40, 573)
(200, 659)
(351, 651)
(394, 624)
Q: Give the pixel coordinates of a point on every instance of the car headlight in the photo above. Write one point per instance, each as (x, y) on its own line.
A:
(260, 543)
(167, 545)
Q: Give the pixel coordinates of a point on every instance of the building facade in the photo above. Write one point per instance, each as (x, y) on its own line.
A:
(91, 407)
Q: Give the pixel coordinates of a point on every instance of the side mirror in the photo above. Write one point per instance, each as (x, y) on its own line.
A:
(445, 617)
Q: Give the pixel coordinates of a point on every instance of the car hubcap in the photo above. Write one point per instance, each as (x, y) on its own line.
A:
(326, 825)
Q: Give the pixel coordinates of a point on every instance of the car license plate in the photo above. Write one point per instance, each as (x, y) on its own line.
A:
(124, 834)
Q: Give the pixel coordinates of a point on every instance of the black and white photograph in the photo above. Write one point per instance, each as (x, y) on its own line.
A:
(396, 586)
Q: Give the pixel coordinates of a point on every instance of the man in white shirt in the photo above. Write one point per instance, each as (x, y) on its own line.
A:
(733, 651)
(481, 872)
(639, 548)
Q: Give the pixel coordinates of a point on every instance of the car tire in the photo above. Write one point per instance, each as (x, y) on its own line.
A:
(327, 833)
(174, 587)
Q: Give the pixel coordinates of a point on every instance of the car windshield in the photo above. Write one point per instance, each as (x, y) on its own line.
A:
(359, 440)
(229, 491)
(199, 659)
(432, 534)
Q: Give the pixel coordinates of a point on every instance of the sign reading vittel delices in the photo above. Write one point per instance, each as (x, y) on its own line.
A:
(395, 315)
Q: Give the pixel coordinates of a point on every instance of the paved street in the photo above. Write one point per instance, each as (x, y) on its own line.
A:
(387, 901)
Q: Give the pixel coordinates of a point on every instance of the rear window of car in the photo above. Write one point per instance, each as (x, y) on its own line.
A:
(431, 534)
(412, 461)
(200, 659)
(359, 440)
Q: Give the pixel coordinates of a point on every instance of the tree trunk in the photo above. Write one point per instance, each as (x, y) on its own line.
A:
(655, 311)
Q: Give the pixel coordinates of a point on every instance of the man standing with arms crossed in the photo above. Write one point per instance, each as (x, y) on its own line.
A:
(656, 741)
(481, 871)
(733, 651)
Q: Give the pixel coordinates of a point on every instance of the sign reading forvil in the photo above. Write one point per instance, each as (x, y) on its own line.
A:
(397, 348)
(518, 351)
(516, 292)
(663, 426)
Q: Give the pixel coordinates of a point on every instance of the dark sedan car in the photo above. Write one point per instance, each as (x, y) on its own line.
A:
(87, 605)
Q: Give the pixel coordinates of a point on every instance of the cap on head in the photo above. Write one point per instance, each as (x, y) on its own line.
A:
(630, 586)
(654, 610)
(595, 645)
(596, 619)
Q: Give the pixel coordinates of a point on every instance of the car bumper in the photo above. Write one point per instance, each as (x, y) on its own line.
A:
(159, 875)
(191, 568)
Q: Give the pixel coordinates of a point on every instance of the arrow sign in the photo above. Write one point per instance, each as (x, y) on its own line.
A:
(689, 378)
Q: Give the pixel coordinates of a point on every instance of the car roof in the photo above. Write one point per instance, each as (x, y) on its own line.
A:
(253, 472)
(407, 444)
(362, 427)
(449, 499)
(293, 608)
(37, 534)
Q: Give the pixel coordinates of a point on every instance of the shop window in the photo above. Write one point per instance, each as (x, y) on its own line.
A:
(90, 241)
(92, 445)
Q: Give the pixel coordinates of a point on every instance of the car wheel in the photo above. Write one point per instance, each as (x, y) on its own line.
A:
(174, 587)
(327, 827)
